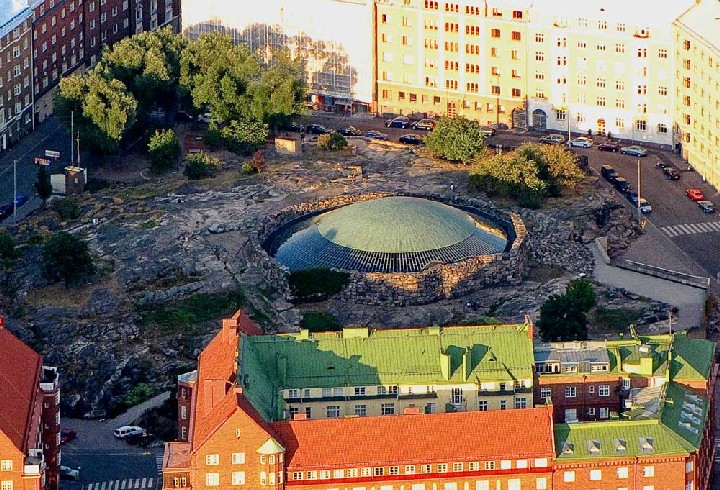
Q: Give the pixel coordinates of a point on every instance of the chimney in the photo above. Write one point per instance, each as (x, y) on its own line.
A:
(230, 329)
(531, 327)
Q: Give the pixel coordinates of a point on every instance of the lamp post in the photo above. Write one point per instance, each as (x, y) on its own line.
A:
(14, 191)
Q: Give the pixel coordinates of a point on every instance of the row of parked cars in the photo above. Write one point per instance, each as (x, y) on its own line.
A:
(409, 139)
(624, 187)
(587, 142)
(134, 435)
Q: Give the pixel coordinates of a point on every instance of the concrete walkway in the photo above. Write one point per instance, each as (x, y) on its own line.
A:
(689, 300)
(128, 417)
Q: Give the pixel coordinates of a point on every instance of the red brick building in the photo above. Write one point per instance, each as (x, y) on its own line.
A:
(29, 418)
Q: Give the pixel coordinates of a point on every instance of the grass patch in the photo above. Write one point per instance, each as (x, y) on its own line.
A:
(148, 225)
(319, 321)
(188, 313)
(57, 295)
(615, 319)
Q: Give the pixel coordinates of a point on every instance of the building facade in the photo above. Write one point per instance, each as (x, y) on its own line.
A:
(30, 425)
(240, 433)
(697, 81)
(16, 93)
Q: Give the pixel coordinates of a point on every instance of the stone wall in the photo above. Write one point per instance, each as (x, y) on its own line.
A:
(441, 281)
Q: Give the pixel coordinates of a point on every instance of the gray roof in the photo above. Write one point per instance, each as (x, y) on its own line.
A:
(572, 352)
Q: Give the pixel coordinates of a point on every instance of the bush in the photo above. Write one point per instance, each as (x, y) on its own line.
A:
(201, 166)
(164, 150)
(213, 138)
(67, 257)
(332, 141)
(245, 137)
(316, 284)
(67, 208)
(138, 394)
(319, 321)
(456, 139)
(563, 317)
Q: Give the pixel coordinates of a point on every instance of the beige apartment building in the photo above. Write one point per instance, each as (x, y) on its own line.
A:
(697, 85)
(464, 58)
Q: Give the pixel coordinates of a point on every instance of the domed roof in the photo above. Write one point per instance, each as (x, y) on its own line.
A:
(391, 234)
(396, 225)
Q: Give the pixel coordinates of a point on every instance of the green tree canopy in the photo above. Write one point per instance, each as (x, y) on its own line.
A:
(164, 150)
(66, 257)
(456, 139)
(42, 184)
(103, 109)
(244, 137)
(279, 93)
(581, 293)
(563, 317)
(148, 64)
(8, 252)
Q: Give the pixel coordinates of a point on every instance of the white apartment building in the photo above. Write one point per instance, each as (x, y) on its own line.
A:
(603, 66)
(697, 84)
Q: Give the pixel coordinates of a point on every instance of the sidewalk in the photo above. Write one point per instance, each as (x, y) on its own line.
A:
(689, 300)
(128, 417)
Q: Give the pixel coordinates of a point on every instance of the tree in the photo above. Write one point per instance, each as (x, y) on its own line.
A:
(8, 252)
(67, 257)
(244, 136)
(201, 165)
(103, 109)
(43, 186)
(332, 141)
(164, 150)
(563, 317)
(456, 139)
(581, 293)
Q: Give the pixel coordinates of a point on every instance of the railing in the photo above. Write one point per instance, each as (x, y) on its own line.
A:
(667, 274)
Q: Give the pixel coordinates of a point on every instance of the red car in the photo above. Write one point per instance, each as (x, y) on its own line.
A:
(695, 194)
(614, 147)
(67, 435)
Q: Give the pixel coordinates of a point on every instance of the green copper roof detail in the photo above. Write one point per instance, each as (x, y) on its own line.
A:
(692, 358)
(396, 225)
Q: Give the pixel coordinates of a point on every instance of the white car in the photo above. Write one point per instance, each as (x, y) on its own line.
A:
(67, 473)
(206, 118)
(581, 141)
(634, 150)
(128, 430)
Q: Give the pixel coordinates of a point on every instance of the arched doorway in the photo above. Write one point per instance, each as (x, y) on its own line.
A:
(539, 120)
(600, 126)
(518, 118)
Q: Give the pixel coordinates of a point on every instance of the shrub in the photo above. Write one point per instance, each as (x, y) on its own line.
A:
(332, 141)
(67, 257)
(316, 284)
(138, 394)
(163, 150)
(67, 208)
(213, 138)
(201, 166)
(456, 139)
(319, 321)
(245, 137)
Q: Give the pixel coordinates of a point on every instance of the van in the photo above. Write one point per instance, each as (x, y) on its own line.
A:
(127, 430)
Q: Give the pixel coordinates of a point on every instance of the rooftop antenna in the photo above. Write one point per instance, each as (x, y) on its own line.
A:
(670, 319)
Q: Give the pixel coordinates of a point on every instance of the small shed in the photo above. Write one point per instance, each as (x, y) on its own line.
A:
(287, 144)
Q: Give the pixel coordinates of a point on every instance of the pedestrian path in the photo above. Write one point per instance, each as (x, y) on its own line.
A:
(126, 484)
(690, 228)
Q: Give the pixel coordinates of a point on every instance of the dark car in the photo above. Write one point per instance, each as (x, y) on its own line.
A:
(350, 131)
(621, 184)
(376, 135)
(411, 139)
(21, 199)
(662, 165)
(67, 435)
(706, 206)
(67, 473)
(5, 211)
(632, 196)
(398, 122)
(500, 126)
(614, 147)
(183, 117)
(671, 173)
(608, 173)
(424, 124)
(317, 129)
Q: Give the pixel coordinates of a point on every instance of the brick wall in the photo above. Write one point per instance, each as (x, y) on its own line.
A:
(668, 474)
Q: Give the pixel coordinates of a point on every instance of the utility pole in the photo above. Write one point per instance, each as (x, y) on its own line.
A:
(72, 131)
(14, 191)
(78, 148)
(638, 203)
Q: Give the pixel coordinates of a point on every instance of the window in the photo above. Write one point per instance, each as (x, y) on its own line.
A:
(539, 56)
(591, 411)
(482, 405)
(622, 472)
(569, 476)
(561, 60)
(601, 47)
(600, 82)
(503, 403)
(517, 14)
(604, 412)
(482, 485)
(361, 410)
(6, 485)
(570, 392)
(516, 93)
(626, 384)
(352, 473)
(410, 469)
(489, 465)
(649, 471)
(495, 33)
(642, 53)
(545, 393)
(212, 459)
(600, 102)
(604, 390)
(238, 458)
(333, 411)
(442, 468)
(642, 89)
(520, 402)
(620, 123)
(6, 465)
(662, 128)
(541, 483)
(212, 479)
(516, 35)
(387, 409)
(539, 37)
(595, 475)
(662, 53)
(379, 471)
(238, 478)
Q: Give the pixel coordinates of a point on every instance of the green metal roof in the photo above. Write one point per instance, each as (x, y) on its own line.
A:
(360, 357)
(685, 413)
(692, 358)
(396, 225)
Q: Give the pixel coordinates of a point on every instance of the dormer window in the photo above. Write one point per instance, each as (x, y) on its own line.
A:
(568, 448)
(594, 448)
(642, 32)
(620, 446)
(647, 445)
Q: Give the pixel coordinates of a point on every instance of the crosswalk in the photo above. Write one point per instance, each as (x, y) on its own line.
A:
(159, 462)
(690, 228)
(126, 484)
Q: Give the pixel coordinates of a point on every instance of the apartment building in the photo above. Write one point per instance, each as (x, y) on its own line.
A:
(30, 422)
(240, 433)
(16, 94)
(697, 81)
(463, 58)
(148, 15)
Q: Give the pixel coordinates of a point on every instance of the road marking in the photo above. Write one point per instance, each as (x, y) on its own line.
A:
(102, 486)
(137, 483)
(122, 485)
(128, 483)
(143, 483)
(150, 483)
(691, 228)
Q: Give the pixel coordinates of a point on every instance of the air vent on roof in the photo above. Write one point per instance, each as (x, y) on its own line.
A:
(568, 448)
(594, 447)
(688, 416)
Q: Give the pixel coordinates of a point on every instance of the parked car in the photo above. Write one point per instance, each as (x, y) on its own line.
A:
(317, 129)
(645, 206)
(621, 184)
(695, 194)
(706, 206)
(6, 210)
(609, 146)
(207, 118)
(183, 116)
(609, 173)
(376, 135)
(21, 199)
(487, 131)
(424, 124)
(411, 139)
(634, 150)
(350, 131)
(500, 126)
(398, 122)
(662, 164)
(67, 473)
(141, 440)
(581, 141)
(553, 139)
(67, 435)
(671, 173)
(127, 430)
